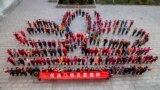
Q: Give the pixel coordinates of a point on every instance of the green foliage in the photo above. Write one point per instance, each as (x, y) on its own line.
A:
(104, 1)
(121, 1)
(71, 1)
(81, 2)
(130, 2)
(60, 1)
(91, 1)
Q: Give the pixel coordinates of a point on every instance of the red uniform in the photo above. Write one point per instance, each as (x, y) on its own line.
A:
(48, 62)
(64, 50)
(12, 61)
(22, 33)
(109, 29)
(9, 52)
(83, 60)
(26, 41)
(34, 43)
(75, 59)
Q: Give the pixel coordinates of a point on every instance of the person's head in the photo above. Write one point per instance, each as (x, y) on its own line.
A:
(156, 57)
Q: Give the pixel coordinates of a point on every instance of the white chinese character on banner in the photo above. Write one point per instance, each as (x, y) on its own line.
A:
(78, 75)
(58, 75)
(52, 75)
(97, 74)
(71, 74)
(91, 75)
(84, 74)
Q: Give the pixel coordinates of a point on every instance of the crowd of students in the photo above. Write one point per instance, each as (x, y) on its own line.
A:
(56, 52)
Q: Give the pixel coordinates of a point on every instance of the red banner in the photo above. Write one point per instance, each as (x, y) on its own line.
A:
(74, 75)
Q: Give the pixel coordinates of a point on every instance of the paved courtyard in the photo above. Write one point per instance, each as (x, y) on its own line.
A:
(146, 17)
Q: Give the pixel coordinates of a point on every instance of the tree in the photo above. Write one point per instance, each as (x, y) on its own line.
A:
(91, 1)
(81, 2)
(60, 1)
(72, 1)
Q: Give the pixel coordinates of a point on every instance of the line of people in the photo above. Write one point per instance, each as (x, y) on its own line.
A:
(86, 51)
(115, 52)
(34, 71)
(39, 52)
(97, 60)
(42, 26)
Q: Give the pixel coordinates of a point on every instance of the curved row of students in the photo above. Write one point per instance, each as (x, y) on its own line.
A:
(98, 23)
(113, 70)
(69, 16)
(97, 60)
(64, 51)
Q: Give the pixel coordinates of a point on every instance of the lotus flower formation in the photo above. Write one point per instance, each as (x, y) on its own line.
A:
(106, 48)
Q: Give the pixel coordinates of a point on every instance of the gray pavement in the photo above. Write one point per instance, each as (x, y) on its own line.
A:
(146, 17)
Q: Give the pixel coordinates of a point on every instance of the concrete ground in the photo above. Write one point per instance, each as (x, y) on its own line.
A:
(146, 17)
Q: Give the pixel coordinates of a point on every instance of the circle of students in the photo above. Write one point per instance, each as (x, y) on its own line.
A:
(113, 56)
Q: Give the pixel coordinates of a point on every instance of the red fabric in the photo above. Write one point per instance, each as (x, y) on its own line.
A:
(74, 75)
(22, 33)
(9, 51)
(26, 41)
(74, 37)
(64, 50)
